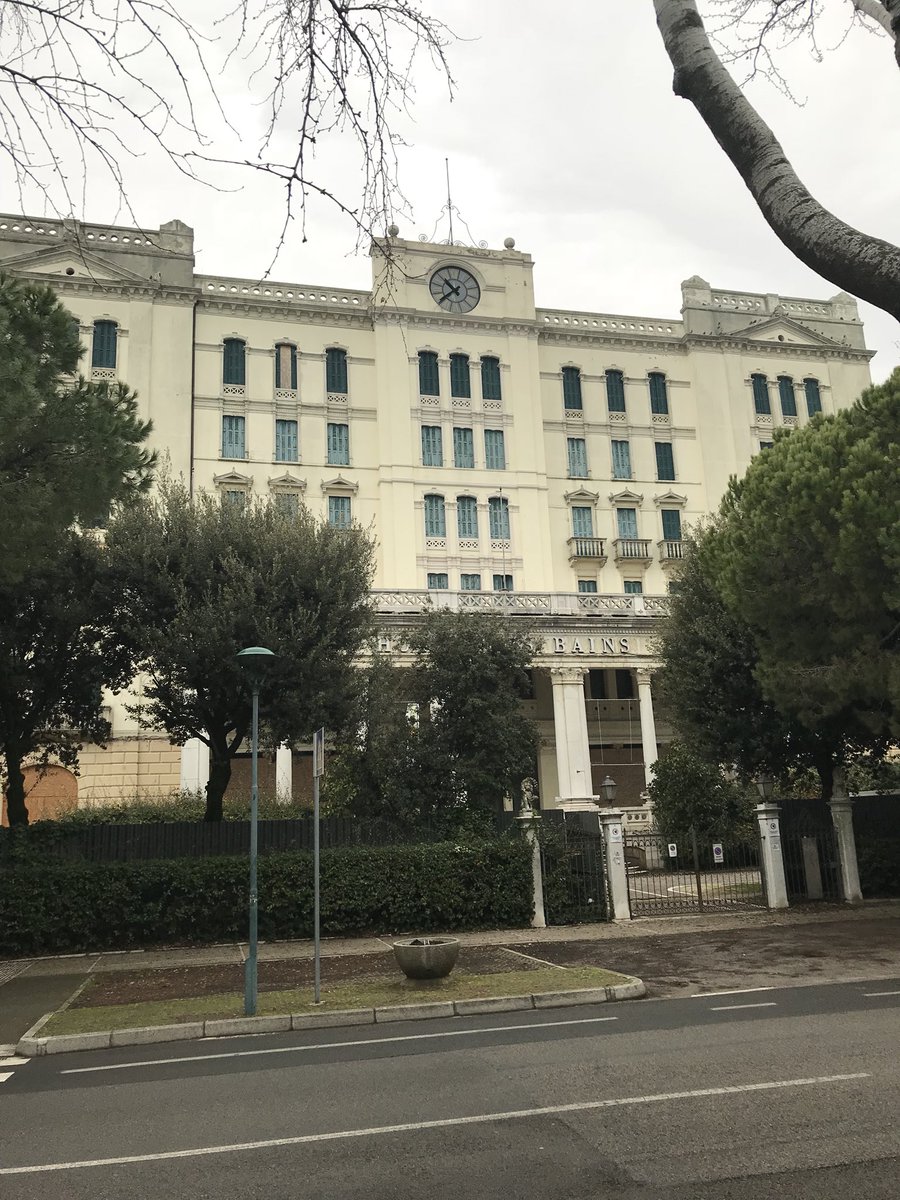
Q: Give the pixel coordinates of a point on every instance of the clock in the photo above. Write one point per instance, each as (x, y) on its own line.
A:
(454, 289)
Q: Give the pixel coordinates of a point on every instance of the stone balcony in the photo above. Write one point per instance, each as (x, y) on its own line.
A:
(587, 548)
(632, 550)
(413, 600)
(670, 551)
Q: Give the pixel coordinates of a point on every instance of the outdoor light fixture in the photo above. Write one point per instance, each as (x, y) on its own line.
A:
(609, 789)
(255, 661)
(765, 785)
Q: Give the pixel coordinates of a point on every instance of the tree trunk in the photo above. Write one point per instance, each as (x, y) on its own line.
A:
(16, 810)
(825, 771)
(219, 775)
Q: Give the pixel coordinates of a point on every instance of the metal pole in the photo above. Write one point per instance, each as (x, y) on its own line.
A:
(250, 967)
(316, 938)
(697, 868)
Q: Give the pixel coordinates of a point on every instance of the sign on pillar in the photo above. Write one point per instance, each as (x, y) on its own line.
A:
(614, 844)
(772, 855)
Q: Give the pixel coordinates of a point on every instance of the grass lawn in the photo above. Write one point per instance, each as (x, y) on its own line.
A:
(361, 994)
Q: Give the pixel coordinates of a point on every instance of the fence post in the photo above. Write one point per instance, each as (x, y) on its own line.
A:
(528, 820)
(812, 870)
(842, 816)
(772, 855)
(614, 843)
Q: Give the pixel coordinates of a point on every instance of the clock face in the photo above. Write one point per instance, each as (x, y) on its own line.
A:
(454, 289)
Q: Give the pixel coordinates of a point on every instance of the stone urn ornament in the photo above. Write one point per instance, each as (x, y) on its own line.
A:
(426, 958)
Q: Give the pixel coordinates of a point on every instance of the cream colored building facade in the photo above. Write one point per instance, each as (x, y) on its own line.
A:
(544, 462)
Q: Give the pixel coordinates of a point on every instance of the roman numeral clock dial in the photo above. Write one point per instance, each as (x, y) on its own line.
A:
(454, 290)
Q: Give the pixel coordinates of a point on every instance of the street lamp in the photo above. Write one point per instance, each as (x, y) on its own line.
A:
(254, 660)
(765, 785)
(609, 789)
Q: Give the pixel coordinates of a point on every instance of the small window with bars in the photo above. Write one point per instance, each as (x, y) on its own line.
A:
(761, 402)
(105, 341)
(577, 455)
(429, 378)
(435, 517)
(659, 393)
(287, 448)
(336, 370)
(571, 377)
(460, 376)
(494, 450)
(286, 367)
(615, 392)
(233, 437)
(490, 378)
(338, 441)
(234, 362)
(463, 448)
(432, 446)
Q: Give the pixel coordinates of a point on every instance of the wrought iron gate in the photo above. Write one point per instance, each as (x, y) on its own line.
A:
(690, 872)
(811, 864)
(574, 870)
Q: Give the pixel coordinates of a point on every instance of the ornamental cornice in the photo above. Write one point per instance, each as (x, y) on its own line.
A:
(417, 319)
(718, 341)
(665, 345)
(266, 310)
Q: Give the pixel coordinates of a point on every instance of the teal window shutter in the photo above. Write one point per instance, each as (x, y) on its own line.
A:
(571, 377)
(587, 586)
(287, 503)
(577, 450)
(463, 448)
(761, 404)
(429, 379)
(338, 445)
(633, 587)
(671, 524)
(339, 511)
(787, 396)
(103, 350)
(494, 450)
(490, 378)
(286, 443)
(233, 443)
(470, 583)
(813, 396)
(432, 446)
(234, 362)
(503, 583)
(467, 516)
(615, 391)
(460, 376)
(498, 517)
(582, 522)
(438, 580)
(626, 518)
(665, 461)
(659, 396)
(435, 517)
(621, 460)
(336, 370)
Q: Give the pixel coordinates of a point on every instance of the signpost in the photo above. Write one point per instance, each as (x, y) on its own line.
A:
(718, 853)
(673, 850)
(318, 772)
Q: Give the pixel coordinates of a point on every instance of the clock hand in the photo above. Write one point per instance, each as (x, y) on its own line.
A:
(449, 287)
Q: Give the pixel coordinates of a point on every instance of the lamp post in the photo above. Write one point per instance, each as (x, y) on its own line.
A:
(254, 660)
(608, 787)
(765, 785)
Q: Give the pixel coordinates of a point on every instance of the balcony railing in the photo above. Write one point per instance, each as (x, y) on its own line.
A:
(613, 710)
(549, 604)
(632, 549)
(670, 550)
(587, 547)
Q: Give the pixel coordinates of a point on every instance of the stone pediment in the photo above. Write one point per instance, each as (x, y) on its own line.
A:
(73, 261)
(582, 496)
(233, 479)
(339, 484)
(627, 496)
(783, 329)
(673, 499)
(287, 481)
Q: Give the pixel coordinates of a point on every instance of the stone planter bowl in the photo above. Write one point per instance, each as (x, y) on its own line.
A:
(426, 958)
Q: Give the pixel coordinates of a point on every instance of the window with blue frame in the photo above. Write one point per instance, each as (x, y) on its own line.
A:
(494, 450)
(463, 448)
(490, 378)
(671, 524)
(577, 454)
(503, 583)
(659, 395)
(287, 448)
(438, 581)
(621, 460)
(626, 521)
(460, 376)
(615, 391)
(339, 512)
(435, 517)
(633, 587)
(587, 586)
(665, 461)
(286, 367)
(234, 362)
(429, 376)
(287, 503)
(571, 378)
(432, 446)
(498, 518)
(336, 370)
(813, 396)
(787, 396)
(236, 497)
(103, 349)
(338, 444)
(233, 437)
(582, 521)
(761, 403)
(467, 516)
(470, 583)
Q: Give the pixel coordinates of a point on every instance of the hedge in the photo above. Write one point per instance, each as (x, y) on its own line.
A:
(418, 888)
(879, 865)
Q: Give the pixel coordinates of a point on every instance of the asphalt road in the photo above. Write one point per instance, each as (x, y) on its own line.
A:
(768, 1093)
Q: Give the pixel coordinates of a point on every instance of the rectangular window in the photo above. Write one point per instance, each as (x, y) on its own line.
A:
(671, 523)
(438, 581)
(286, 366)
(665, 461)
(587, 586)
(463, 448)
(467, 516)
(597, 683)
(435, 517)
(578, 465)
(233, 443)
(336, 370)
(582, 522)
(490, 378)
(766, 445)
(494, 450)
(287, 503)
(621, 460)
(432, 446)
(571, 377)
(429, 378)
(286, 444)
(470, 583)
(761, 403)
(813, 396)
(339, 511)
(503, 583)
(615, 391)
(624, 685)
(498, 518)
(786, 396)
(633, 587)
(460, 376)
(234, 362)
(236, 497)
(103, 350)
(659, 395)
(338, 445)
(626, 520)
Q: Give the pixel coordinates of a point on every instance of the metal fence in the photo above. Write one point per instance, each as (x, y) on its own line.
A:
(688, 872)
(574, 869)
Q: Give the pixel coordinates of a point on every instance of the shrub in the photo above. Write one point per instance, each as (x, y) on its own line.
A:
(879, 865)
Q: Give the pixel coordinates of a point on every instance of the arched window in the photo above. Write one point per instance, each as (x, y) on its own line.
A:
(615, 391)
(103, 351)
(467, 516)
(490, 378)
(435, 517)
(460, 377)
(498, 516)
(571, 377)
(760, 385)
(234, 362)
(336, 370)
(659, 395)
(429, 380)
(286, 366)
(787, 397)
(813, 396)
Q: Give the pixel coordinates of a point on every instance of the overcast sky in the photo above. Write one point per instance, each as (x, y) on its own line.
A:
(565, 134)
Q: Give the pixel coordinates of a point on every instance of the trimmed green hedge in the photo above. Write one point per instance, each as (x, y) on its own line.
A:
(419, 888)
(879, 865)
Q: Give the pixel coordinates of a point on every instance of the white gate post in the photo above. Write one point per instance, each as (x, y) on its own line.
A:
(614, 844)
(772, 855)
(284, 780)
(528, 820)
(842, 816)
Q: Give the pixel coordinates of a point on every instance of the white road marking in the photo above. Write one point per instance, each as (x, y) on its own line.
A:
(733, 992)
(14, 1062)
(408, 1037)
(731, 1007)
(897, 993)
(4, 1075)
(419, 1126)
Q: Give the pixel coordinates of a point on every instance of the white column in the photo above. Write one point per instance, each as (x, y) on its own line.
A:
(772, 856)
(284, 775)
(527, 820)
(573, 753)
(842, 816)
(613, 840)
(648, 722)
(194, 765)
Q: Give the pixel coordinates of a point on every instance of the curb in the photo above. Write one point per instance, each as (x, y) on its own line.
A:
(32, 1045)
